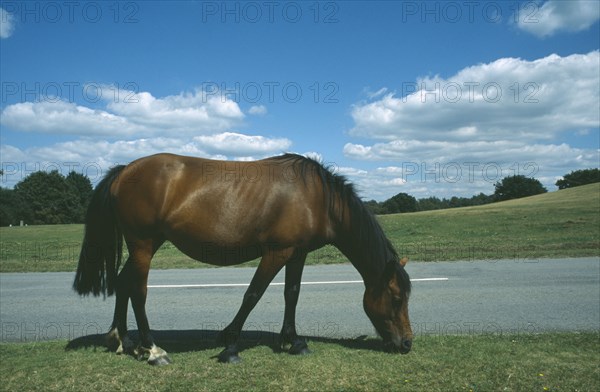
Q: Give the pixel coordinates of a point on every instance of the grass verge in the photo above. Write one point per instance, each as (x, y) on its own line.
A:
(544, 362)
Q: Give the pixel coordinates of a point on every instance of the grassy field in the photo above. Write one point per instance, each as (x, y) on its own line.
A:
(557, 224)
(545, 362)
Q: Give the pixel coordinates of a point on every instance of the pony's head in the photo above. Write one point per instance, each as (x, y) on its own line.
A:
(387, 307)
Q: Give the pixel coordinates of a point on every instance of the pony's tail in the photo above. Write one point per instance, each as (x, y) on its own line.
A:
(102, 247)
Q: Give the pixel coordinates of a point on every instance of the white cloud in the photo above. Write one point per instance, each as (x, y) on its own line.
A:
(134, 125)
(140, 114)
(66, 118)
(314, 155)
(258, 110)
(451, 136)
(380, 184)
(557, 15)
(350, 171)
(528, 100)
(228, 144)
(445, 169)
(378, 93)
(7, 23)
(186, 112)
(502, 152)
(428, 176)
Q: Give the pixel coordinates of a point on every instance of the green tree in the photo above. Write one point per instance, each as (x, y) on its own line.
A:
(481, 199)
(374, 206)
(432, 203)
(12, 208)
(51, 199)
(83, 189)
(579, 177)
(517, 186)
(402, 202)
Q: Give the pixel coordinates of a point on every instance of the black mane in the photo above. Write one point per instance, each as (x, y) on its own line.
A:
(376, 249)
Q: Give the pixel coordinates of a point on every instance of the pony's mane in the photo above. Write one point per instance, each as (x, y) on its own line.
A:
(376, 248)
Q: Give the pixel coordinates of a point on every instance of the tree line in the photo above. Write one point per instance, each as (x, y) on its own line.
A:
(508, 188)
(44, 198)
(51, 198)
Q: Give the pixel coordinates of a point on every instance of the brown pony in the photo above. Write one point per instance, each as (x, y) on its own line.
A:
(225, 213)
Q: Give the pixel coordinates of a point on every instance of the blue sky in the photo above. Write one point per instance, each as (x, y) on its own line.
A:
(428, 98)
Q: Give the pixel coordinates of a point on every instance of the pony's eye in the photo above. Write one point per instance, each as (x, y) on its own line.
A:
(397, 301)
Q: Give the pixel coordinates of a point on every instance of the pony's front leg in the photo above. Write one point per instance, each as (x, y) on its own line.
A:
(289, 336)
(270, 264)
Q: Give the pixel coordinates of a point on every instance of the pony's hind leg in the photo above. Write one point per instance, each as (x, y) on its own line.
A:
(117, 337)
(133, 284)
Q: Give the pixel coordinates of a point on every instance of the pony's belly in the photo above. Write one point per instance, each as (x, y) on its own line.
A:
(218, 255)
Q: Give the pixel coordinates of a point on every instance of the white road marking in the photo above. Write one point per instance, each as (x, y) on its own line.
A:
(212, 285)
(429, 280)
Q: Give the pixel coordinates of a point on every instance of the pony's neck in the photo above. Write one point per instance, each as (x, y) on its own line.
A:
(358, 234)
(351, 254)
(353, 244)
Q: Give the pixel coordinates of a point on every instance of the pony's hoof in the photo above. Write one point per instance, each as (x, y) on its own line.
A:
(113, 340)
(118, 344)
(160, 360)
(299, 348)
(156, 355)
(229, 356)
(127, 347)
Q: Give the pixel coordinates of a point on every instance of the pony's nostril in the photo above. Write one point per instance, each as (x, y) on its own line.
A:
(407, 344)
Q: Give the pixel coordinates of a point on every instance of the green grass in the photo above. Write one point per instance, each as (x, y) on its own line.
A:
(544, 362)
(557, 224)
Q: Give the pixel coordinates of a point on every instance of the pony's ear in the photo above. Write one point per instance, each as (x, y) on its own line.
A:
(390, 277)
(391, 268)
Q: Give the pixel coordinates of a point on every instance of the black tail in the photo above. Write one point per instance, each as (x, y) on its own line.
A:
(102, 247)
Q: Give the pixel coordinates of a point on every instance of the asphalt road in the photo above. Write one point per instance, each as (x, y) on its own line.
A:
(502, 296)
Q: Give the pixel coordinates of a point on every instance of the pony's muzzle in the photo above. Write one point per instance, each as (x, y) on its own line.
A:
(405, 346)
(402, 347)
